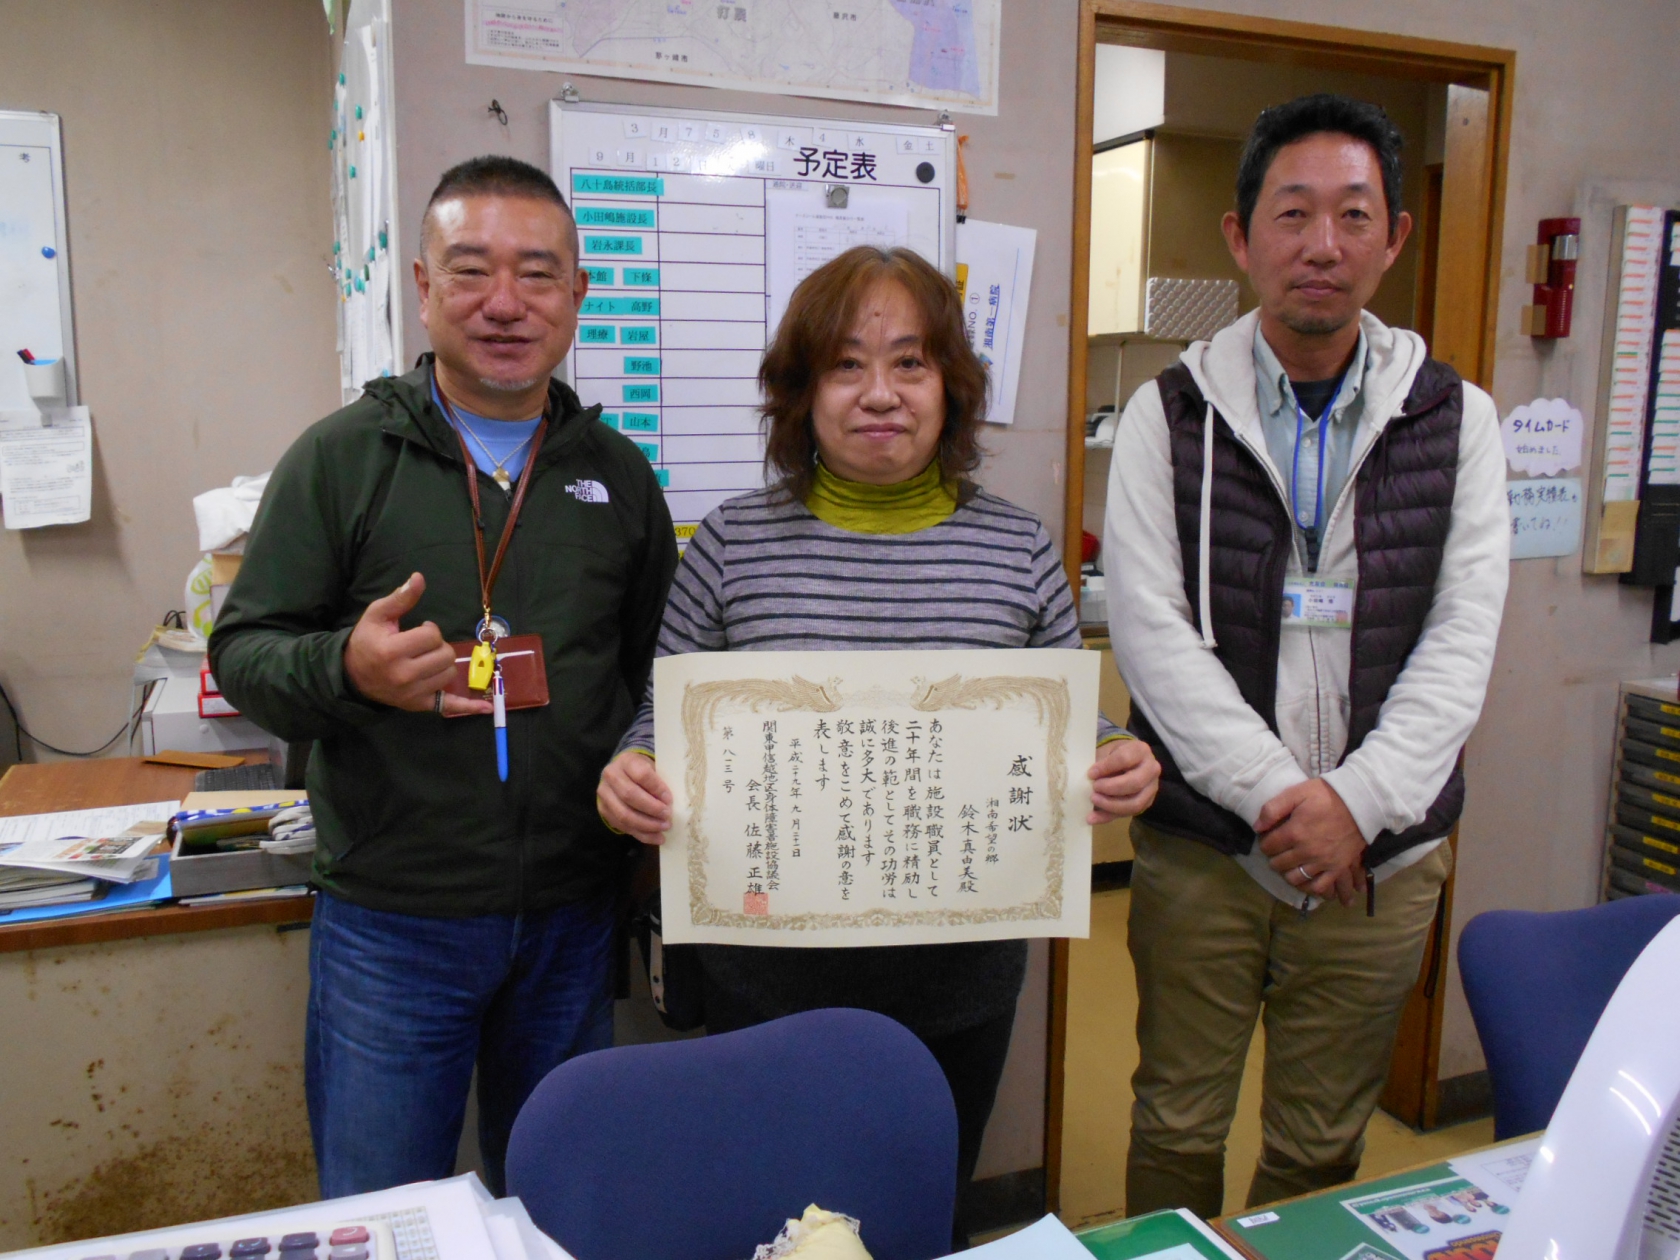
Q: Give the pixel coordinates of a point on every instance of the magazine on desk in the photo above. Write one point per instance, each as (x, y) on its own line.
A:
(52, 858)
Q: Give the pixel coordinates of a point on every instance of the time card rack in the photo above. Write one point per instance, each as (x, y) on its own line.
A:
(1642, 850)
(1633, 514)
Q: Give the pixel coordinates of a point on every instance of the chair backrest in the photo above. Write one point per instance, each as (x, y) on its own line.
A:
(700, 1150)
(1537, 983)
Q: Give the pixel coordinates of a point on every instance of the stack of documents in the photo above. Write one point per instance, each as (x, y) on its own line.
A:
(54, 859)
(19, 887)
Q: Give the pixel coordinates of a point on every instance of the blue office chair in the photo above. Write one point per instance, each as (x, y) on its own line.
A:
(700, 1150)
(1537, 984)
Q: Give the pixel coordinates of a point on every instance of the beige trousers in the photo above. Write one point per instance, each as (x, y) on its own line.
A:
(1213, 951)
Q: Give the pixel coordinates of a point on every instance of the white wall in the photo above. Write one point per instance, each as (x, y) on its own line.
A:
(200, 229)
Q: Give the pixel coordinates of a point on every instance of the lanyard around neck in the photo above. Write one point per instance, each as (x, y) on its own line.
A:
(1295, 461)
(487, 577)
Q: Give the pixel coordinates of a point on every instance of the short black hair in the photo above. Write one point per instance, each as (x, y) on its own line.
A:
(1309, 116)
(496, 176)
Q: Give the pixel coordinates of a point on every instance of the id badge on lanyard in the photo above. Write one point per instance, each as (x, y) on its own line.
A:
(1324, 603)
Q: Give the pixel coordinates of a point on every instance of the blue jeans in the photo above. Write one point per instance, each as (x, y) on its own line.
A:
(401, 1007)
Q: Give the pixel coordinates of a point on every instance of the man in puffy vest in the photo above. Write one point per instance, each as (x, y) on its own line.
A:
(1308, 539)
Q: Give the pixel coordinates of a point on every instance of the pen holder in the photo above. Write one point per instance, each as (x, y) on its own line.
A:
(46, 380)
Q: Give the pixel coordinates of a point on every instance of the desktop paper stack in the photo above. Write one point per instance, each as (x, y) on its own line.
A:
(20, 887)
(56, 859)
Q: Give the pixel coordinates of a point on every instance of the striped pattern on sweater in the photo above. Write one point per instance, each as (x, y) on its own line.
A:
(763, 574)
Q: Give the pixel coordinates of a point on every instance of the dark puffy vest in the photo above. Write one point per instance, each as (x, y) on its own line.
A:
(1403, 500)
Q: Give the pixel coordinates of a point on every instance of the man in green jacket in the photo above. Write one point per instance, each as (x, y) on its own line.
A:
(467, 891)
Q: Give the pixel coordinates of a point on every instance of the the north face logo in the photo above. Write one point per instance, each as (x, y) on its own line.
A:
(588, 491)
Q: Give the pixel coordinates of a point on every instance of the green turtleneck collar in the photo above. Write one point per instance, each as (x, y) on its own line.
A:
(902, 508)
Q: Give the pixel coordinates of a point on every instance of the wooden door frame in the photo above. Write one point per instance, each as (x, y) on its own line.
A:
(1467, 298)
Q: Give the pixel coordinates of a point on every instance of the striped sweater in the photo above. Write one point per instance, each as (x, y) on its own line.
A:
(763, 574)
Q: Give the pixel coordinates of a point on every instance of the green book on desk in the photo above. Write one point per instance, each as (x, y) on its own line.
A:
(1157, 1236)
(1454, 1210)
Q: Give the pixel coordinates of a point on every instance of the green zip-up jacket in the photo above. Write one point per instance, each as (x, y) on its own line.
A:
(411, 816)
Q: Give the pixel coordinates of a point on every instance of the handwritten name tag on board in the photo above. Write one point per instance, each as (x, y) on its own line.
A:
(876, 798)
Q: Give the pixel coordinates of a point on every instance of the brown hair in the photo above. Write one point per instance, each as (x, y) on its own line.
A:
(812, 335)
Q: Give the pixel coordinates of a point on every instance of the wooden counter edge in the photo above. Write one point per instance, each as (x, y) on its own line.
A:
(157, 921)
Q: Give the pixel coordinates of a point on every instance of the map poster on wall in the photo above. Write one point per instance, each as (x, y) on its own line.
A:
(934, 54)
(876, 798)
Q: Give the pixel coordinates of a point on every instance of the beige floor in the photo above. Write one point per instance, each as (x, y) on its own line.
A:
(1101, 1054)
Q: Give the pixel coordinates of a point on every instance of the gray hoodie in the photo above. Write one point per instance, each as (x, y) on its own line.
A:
(1223, 746)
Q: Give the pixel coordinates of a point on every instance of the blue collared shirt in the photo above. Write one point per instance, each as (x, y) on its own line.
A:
(1280, 420)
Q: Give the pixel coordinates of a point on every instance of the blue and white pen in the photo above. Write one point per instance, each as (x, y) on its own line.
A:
(498, 701)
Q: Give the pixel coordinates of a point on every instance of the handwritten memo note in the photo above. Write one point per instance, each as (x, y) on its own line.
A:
(1543, 438)
(1545, 517)
(876, 798)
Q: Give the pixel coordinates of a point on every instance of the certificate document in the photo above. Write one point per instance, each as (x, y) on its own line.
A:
(876, 798)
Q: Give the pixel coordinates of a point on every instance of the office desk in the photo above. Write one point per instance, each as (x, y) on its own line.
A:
(150, 1060)
(61, 785)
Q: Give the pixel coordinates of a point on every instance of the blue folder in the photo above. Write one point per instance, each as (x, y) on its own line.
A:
(141, 893)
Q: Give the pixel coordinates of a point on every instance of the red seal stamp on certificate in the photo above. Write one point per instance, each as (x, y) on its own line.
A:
(755, 903)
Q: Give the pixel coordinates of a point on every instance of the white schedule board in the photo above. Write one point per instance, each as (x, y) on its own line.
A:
(695, 227)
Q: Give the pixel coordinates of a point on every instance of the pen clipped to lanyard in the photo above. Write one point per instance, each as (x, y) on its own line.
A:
(498, 705)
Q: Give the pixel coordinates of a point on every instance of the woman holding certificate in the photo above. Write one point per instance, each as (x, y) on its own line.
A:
(871, 538)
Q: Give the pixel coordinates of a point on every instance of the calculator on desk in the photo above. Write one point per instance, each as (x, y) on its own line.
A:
(351, 1240)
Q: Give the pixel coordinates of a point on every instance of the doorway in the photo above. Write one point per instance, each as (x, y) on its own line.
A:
(1169, 180)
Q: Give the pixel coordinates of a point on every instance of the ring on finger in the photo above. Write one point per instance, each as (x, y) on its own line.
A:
(1306, 876)
(437, 703)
